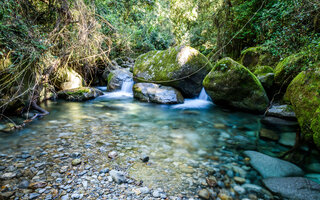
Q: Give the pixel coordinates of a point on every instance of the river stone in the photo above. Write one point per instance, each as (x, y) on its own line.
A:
(297, 188)
(176, 63)
(8, 175)
(117, 77)
(268, 166)
(275, 121)
(79, 94)
(66, 78)
(281, 111)
(231, 84)
(287, 139)
(269, 134)
(313, 177)
(117, 176)
(156, 93)
(76, 162)
(204, 194)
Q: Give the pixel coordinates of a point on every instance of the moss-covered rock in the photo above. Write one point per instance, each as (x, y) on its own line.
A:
(174, 64)
(304, 95)
(230, 83)
(79, 94)
(265, 75)
(315, 126)
(288, 69)
(256, 56)
(66, 78)
(156, 93)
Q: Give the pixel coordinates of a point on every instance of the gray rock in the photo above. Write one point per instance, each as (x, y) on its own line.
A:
(76, 162)
(33, 195)
(281, 111)
(297, 188)
(117, 176)
(144, 190)
(66, 134)
(239, 189)
(275, 121)
(117, 77)
(313, 177)
(65, 197)
(149, 92)
(24, 184)
(204, 194)
(79, 94)
(268, 166)
(8, 175)
(112, 154)
(287, 139)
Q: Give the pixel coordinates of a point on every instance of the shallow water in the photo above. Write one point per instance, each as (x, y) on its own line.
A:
(184, 143)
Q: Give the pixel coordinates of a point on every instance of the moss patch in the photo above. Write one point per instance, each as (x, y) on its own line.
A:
(304, 95)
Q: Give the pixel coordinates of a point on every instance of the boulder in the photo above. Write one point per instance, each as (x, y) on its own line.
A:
(117, 77)
(297, 188)
(288, 68)
(231, 84)
(183, 68)
(79, 94)
(268, 166)
(281, 111)
(303, 94)
(66, 78)
(156, 93)
(275, 121)
(256, 56)
(265, 75)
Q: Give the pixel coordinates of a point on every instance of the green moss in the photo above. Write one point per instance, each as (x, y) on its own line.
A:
(315, 126)
(110, 76)
(171, 64)
(232, 84)
(77, 91)
(304, 95)
(288, 68)
(263, 70)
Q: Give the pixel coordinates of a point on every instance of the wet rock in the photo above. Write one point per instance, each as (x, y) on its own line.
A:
(104, 171)
(144, 190)
(268, 166)
(145, 159)
(239, 190)
(76, 196)
(281, 111)
(112, 154)
(293, 187)
(204, 194)
(37, 185)
(275, 121)
(269, 134)
(9, 175)
(117, 77)
(24, 184)
(313, 177)
(314, 167)
(33, 195)
(155, 93)
(6, 195)
(117, 176)
(223, 196)
(76, 162)
(239, 180)
(287, 139)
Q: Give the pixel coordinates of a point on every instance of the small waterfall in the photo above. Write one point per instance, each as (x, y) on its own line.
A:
(202, 102)
(203, 95)
(127, 86)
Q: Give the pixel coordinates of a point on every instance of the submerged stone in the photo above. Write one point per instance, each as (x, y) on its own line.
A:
(117, 77)
(293, 187)
(268, 166)
(231, 84)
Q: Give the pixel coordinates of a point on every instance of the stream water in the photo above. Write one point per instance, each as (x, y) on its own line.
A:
(185, 142)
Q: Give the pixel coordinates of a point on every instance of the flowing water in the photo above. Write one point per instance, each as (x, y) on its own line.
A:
(185, 142)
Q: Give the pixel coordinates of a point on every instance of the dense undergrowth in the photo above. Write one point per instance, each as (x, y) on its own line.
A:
(37, 37)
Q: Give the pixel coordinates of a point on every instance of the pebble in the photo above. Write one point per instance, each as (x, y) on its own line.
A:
(112, 154)
(33, 195)
(204, 194)
(8, 175)
(239, 180)
(24, 184)
(117, 176)
(37, 185)
(76, 162)
(240, 190)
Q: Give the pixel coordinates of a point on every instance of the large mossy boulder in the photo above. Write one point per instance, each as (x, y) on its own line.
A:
(231, 84)
(256, 56)
(287, 69)
(156, 93)
(117, 77)
(79, 94)
(183, 68)
(304, 95)
(66, 78)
